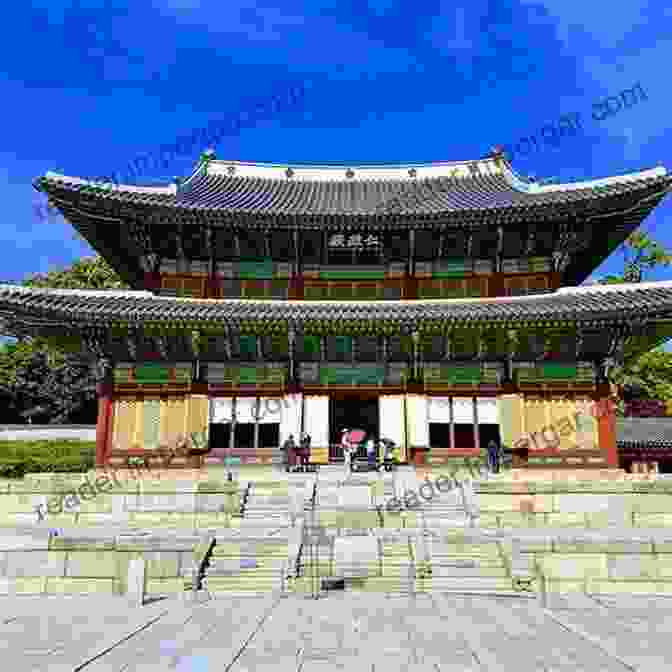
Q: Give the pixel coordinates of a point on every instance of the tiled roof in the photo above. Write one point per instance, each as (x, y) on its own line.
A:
(479, 187)
(612, 303)
(644, 432)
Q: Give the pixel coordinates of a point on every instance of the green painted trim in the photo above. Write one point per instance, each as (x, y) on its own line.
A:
(449, 275)
(149, 373)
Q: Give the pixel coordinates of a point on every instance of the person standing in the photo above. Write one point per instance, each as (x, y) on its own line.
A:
(289, 450)
(305, 450)
(493, 454)
(371, 451)
(347, 450)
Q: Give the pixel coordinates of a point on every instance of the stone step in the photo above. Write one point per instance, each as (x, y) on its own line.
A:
(464, 583)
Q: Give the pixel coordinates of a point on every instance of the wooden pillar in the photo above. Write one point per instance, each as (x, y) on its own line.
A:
(500, 249)
(256, 425)
(103, 424)
(410, 289)
(452, 423)
(295, 290)
(606, 427)
(477, 442)
(324, 248)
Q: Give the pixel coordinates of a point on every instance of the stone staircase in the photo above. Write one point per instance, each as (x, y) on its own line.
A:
(308, 533)
(267, 504)
(447, 563)
(246, 565)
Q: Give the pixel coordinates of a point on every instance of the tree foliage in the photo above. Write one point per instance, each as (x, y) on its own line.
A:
(641, 254)
(85, 273)
(47, 383)
(645, 384)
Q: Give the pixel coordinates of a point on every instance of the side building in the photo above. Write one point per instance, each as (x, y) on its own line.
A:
(436, 305)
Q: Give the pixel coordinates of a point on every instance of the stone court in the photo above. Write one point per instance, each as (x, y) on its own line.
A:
(345, 631)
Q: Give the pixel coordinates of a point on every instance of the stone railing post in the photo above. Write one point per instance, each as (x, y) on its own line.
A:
(137, 582)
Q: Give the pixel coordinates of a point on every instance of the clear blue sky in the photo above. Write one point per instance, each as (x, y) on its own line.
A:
(89, 85)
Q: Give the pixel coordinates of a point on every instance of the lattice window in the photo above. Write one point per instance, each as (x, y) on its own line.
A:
(425, 245)
(561, 344)
(368, 349)
(464, 344)
(252, 244)
(432, 347)
(282, 245)
(339, 348)
(308, 348)
(531, 344)
(494, 343)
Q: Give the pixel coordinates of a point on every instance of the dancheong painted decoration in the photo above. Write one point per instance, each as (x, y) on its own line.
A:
(434, 305)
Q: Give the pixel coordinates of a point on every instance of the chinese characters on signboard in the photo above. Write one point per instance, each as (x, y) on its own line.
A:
(353, 240)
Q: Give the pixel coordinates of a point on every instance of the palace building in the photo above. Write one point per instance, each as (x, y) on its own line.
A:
(436, 305)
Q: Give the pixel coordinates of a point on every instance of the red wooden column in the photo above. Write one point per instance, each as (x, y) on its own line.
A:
(606, 419)
(103, 427)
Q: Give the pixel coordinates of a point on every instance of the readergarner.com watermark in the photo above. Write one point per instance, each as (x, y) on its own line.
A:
(443, 485)
(86, 491)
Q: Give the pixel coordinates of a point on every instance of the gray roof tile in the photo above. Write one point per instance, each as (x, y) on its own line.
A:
(614, 302)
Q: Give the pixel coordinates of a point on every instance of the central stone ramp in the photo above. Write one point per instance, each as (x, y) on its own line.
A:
(249, 563)
(460, 562)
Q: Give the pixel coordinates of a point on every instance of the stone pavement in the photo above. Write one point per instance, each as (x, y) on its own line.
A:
(366, 632)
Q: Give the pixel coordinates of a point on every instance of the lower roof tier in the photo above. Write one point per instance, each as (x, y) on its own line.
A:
(24, 309)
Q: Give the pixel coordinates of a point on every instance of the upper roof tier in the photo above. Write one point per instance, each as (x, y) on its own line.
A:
(457, 191)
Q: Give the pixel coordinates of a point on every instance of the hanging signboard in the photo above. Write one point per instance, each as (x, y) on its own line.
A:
(353, 240)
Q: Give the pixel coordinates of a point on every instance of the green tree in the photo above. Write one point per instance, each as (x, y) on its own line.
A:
(641, 254)
(85, 273)
(44, 380)
(649, 376)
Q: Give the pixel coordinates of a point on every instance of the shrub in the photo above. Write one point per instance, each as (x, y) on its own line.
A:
(18, 458)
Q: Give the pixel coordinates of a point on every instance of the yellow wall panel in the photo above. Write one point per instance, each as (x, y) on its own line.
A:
(586, 424)
(510, 411)
(125, 420)
(535, 421)
(563, 422)
(172, 420)
(139, 424)
(198, 415)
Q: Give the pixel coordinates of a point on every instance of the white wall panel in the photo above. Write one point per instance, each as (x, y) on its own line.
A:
(391, 421)
(439, 409)
(316, 420)
(290, 417)
(463, 410)
(270, 410)
(221, 409)
(418, 427)
(246, 409)
(486, 411)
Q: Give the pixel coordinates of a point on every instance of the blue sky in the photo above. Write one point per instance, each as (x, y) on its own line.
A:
(89, 85)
